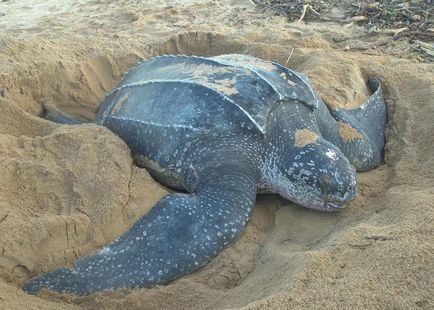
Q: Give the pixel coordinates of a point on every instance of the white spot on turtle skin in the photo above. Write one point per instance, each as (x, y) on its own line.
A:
(332, 154)
(105, 251)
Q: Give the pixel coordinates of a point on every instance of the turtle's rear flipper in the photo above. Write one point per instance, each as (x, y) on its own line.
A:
(362, 129)
(57, 117)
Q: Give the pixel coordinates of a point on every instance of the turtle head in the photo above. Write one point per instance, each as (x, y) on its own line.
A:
(316, 175)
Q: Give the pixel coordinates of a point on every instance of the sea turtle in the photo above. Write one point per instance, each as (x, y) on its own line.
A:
(220, 129)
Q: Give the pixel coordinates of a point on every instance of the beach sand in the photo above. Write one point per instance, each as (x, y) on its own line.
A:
(65, 191)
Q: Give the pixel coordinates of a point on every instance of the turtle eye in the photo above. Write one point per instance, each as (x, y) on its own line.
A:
(325, 182)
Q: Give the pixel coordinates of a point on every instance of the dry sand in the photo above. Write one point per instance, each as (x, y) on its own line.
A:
(67, 190)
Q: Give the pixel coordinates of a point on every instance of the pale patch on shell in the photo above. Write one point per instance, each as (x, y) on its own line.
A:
(226, 86)
(348, 133)
(283, 76)
(204, 70)
(246, 60)
(120, 103)
(304, 136)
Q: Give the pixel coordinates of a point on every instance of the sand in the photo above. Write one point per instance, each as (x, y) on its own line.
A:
(67, 190)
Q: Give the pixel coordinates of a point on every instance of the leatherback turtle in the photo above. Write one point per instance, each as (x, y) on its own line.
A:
(220, 129)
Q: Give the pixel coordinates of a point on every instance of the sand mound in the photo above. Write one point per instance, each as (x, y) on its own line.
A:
(67, 190)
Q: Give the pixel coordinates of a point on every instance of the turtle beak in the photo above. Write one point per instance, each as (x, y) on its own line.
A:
(333, 203)
(333, 200)
(324, 199)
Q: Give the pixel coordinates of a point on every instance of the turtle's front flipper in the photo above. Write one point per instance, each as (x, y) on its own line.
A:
(180, 234)
(360, 132)
(57, 117)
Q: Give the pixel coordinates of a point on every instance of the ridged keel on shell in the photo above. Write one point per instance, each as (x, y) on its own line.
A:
(249, 84)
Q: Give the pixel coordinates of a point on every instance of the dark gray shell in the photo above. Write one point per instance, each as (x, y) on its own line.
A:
(154, 89)
(162, 104)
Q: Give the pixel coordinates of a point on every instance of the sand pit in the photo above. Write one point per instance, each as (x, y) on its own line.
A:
(67, 190)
